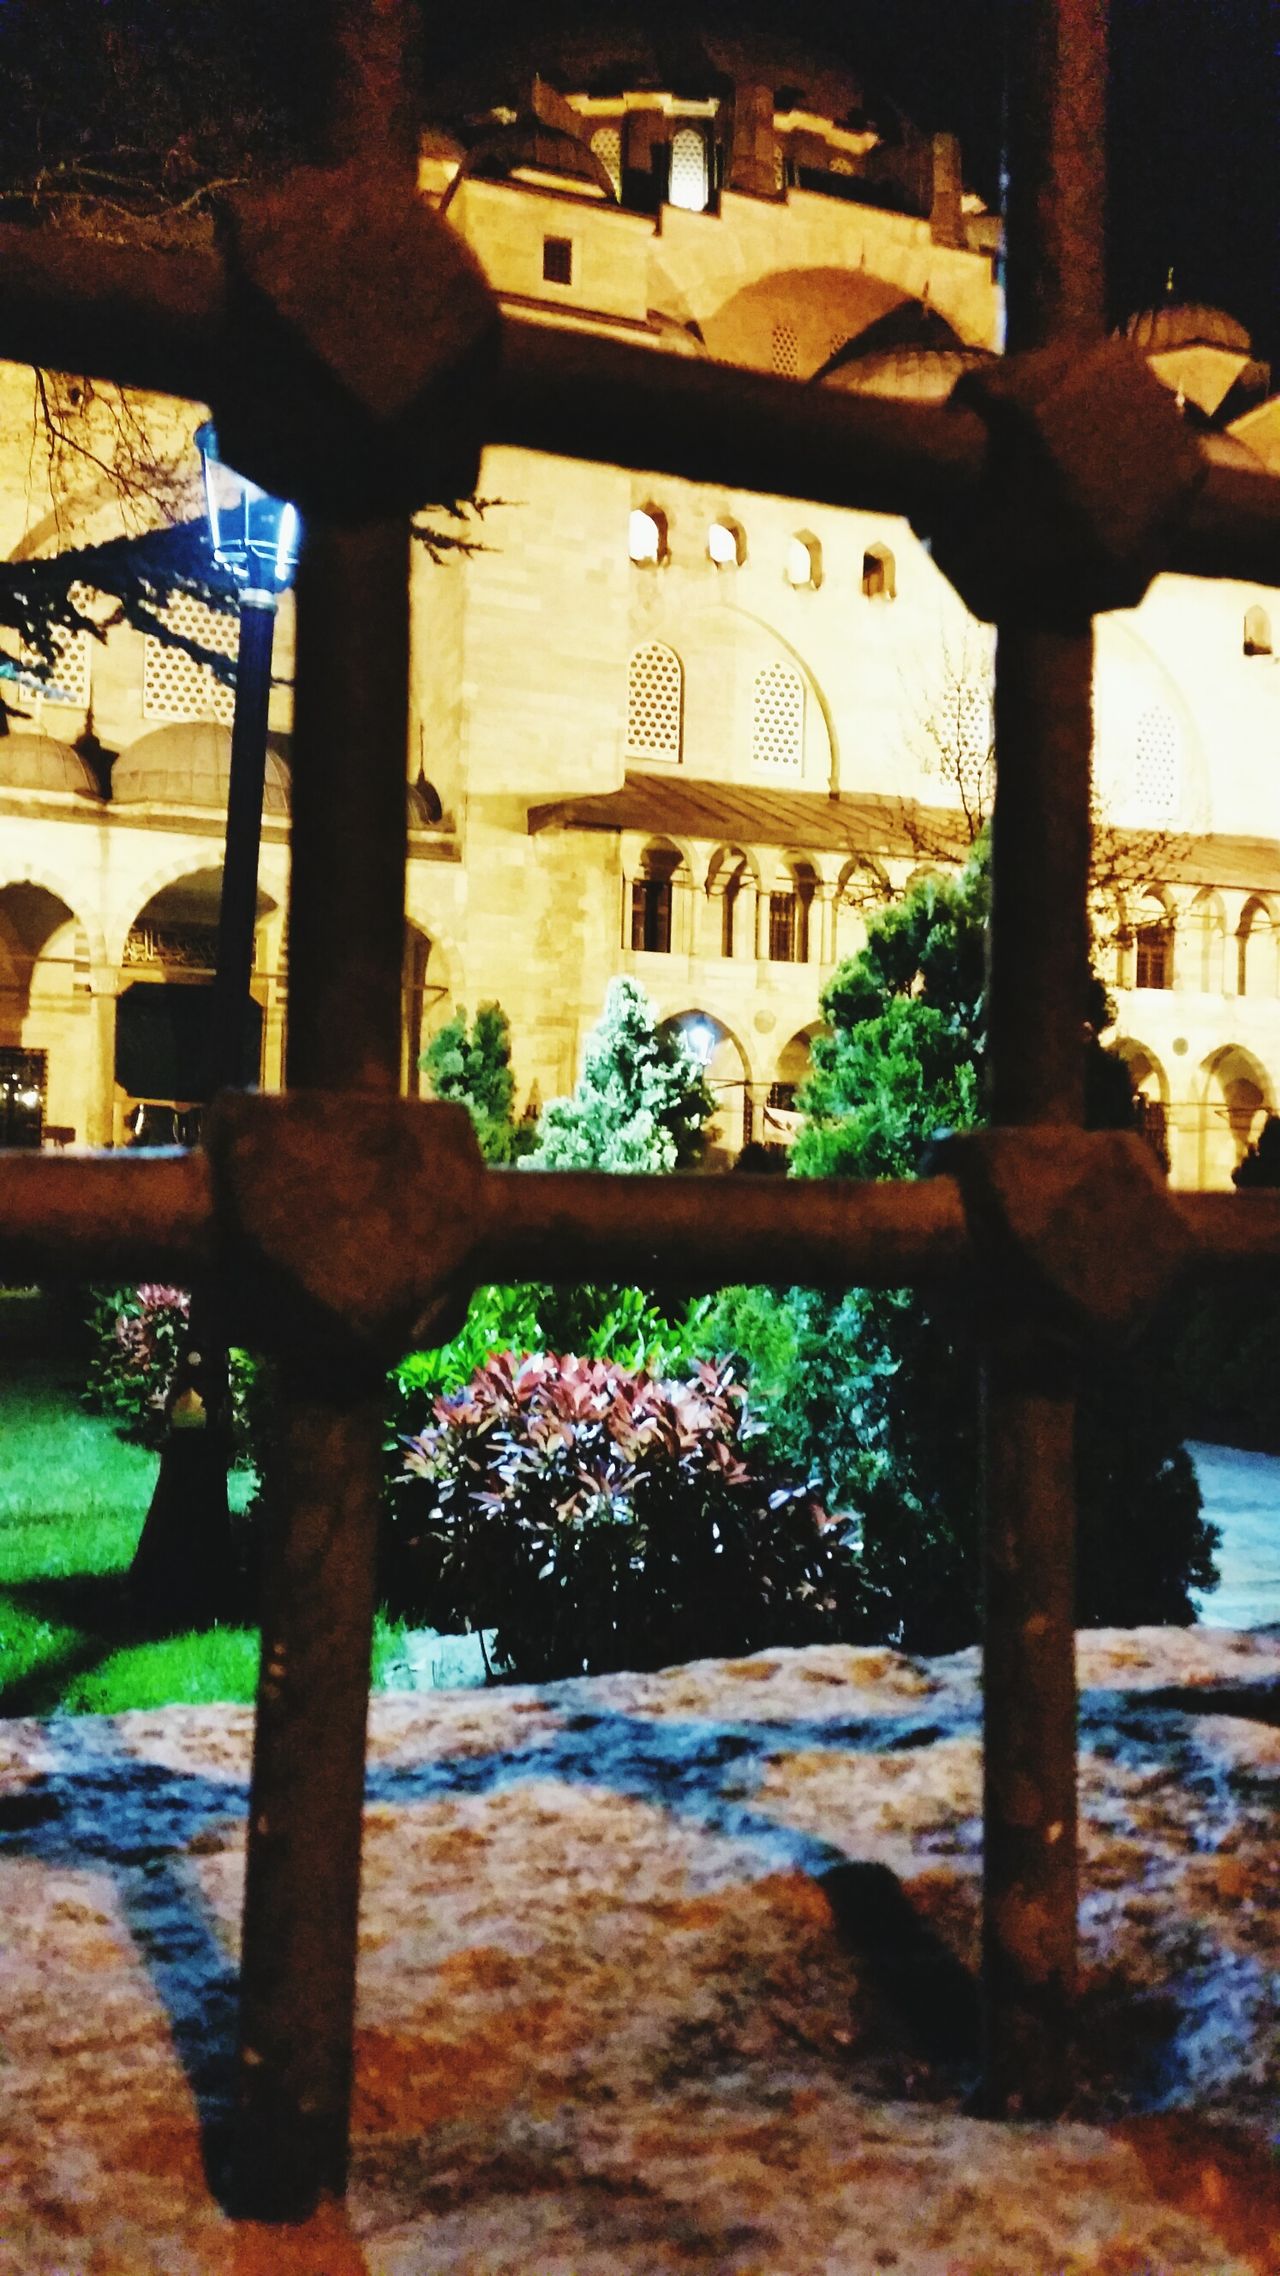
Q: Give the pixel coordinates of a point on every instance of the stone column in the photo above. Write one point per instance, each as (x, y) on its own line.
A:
(100, 1104)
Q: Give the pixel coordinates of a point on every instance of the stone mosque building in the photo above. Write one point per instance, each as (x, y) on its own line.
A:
(666, 730)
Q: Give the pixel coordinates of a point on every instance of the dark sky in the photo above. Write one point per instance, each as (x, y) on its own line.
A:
(1195, 135)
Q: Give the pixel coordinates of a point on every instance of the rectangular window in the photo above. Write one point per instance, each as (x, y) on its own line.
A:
(1152, 958)
(557, 260)
(651, 915)
(784, 927)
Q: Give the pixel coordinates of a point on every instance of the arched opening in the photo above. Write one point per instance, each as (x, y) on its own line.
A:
(45, 1044)
(722, 1060)
(1150, 1096)
(1236, 1097)
(1153, 943)
(728, 874)
(690, 184)
(1207, 932)
(423, 1002)
(1255, 950)
(781, 1119)
(879, 574)
(1257, 631)
(652, 899)
(789, 911)
(804, 562)
(647, 537)
(164, 1013)
(726, 543)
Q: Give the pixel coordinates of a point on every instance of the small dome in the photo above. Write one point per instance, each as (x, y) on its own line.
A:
(917, 375)
(533, 147)
(911, 324)
(1186, 324)
(425, 811)
(189, 765)
(36, 762)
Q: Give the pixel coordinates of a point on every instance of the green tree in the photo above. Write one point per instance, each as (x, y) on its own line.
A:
(641, 1103)
(875, 1394)
(473, 1066)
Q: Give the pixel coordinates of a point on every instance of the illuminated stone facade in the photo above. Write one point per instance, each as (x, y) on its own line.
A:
(666, 730)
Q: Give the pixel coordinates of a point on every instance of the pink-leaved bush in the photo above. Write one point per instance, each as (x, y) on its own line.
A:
(597, 1517)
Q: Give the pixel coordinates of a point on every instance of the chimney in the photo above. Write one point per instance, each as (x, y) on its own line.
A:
(753, 155)
(946, 216)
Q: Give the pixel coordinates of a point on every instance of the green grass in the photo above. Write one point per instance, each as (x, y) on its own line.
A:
(72, 1500)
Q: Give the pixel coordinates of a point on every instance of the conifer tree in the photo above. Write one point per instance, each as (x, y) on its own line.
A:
(473, 1067)
(641, 1102)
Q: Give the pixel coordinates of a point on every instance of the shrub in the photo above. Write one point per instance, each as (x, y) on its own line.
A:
(598, 1517)
(135, 1334)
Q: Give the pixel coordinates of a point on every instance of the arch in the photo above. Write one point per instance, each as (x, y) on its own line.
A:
(879, 574)
(726, 542)
(1207, 940)
(44, 950)
(175, 926)
(655, 702)
(425, 996)
(651, 906)
(606, 142)
(1153, 938)
(1256, 940)
(789, 907)
(725, 1066)
(1236, 1095)
(690, 184)
(1150, 1094)
(647, 537)
(729, 871)
(777, 718)
(804, 562)
(818, 304)
(1257, 631)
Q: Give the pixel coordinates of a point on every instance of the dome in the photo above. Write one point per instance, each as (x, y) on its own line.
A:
(36, 762)
(1186, 324)
(189, 765)
(915, 375)
(530, 146)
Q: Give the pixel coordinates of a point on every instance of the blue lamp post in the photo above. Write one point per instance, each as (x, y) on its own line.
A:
(255, 539)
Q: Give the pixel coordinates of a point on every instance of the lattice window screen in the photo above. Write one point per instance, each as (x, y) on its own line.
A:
(689, 184)
(654, 690)
(174, 686)
(786, 351)
(1156, 767)
(777, 717)
(70, 679)
(607, 145)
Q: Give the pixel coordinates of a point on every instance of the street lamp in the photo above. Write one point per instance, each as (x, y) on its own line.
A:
(255, 539)
(183, 1564)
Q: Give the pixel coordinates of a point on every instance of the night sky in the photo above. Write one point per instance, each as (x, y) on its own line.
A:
(1195, 142)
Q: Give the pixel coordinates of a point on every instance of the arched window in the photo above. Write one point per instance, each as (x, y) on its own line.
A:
(1153, 945)
(1255, 950)
(1209, 932)
(652, 900)
(690, 184)
(1156, 766)
(1257, 632)
(647, 537)
(804, 562)
(655, 688)
(607, 145)
(726, 543)
(789, 917)
(879, 574)
(777, 718)
(726, 877)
